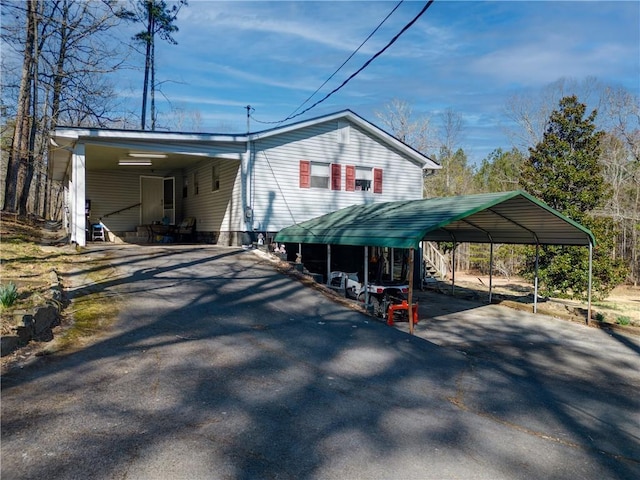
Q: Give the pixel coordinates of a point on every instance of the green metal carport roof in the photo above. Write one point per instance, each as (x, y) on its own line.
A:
(506, 217)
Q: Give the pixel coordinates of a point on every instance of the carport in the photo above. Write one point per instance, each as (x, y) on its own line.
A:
(507, 217)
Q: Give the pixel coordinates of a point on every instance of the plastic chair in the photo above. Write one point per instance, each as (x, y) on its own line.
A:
(97, 232)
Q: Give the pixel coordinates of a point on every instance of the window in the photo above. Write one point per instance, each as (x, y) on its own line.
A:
(320, 175)
(363, 179)
(215, 178)
(185, 187)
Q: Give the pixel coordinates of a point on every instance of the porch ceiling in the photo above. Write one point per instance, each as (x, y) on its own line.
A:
(105, 155)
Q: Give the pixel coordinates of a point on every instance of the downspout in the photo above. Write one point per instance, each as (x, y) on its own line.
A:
(247, 208)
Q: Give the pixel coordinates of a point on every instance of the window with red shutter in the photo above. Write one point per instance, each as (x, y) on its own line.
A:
(305, 174)
(336, 176)
(350, 180)
(377, 180)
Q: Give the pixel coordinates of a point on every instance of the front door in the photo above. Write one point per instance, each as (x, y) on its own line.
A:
(151, 197)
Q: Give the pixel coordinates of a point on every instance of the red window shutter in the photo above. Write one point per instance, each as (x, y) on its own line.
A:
(305, 174)
(377, 180)
(336, 176)
(350, 173)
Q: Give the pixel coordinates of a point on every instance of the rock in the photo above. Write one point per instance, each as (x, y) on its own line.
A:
(8, 343)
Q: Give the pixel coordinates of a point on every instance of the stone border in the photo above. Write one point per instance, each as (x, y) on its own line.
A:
(35, 324)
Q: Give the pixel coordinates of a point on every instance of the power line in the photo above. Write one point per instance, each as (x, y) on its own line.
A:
(365, 65)
(349, 58)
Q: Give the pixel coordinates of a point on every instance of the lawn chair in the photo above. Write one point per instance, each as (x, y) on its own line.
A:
(186, 230)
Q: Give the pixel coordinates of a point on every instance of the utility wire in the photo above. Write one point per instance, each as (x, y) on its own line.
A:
(349, 58)
(365, 65)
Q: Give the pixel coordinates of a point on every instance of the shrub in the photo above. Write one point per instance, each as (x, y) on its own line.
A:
(623, 320)
(8, 294)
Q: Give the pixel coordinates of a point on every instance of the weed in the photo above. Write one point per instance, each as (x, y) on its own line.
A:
(600, 317)
(8, 294)
(623, 320)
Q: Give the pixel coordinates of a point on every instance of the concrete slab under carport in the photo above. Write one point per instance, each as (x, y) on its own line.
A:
(562, 381)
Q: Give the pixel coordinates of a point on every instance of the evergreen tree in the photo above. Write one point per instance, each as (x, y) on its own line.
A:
(500, 171)
(158, 20)
(563, 170)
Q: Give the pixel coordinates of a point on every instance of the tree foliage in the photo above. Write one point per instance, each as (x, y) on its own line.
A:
(564, 170)
(500, 171)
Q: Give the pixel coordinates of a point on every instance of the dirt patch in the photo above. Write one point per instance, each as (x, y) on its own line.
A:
(621, 307)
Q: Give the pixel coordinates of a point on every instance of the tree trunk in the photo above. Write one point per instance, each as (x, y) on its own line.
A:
(147, 63)
(153, 81)
(18, 158)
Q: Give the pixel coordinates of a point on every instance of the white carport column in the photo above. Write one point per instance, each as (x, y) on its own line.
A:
(77, 201)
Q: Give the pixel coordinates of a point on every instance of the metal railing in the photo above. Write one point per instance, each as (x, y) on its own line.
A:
(120, 211)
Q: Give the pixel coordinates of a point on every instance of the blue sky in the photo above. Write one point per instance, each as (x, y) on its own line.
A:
(470, 57)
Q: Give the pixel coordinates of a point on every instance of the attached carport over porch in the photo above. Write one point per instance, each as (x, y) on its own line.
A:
(127, 179)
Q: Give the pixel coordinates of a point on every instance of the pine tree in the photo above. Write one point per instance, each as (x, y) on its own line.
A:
(563, 170)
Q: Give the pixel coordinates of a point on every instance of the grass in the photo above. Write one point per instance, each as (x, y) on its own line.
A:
(89, 316)
(25, 263)
(607, 305)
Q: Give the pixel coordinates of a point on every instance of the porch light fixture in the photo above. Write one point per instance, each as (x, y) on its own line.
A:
(134, 162)
(147, 155)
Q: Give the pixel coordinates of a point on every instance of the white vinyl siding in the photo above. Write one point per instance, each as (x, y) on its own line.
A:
(109, 193)
(278, 199)
(211, 207)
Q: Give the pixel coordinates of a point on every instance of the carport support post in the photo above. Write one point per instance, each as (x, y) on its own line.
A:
(535, 281)
(328, 263)
(453, 269)
(366, 277)
(490, 271)
(590, 277)
(410, 296)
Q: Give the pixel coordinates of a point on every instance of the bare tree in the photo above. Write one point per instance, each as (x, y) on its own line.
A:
(399, 120)
(620, 160)
(530, 111)
(66, 55)
(20, 156)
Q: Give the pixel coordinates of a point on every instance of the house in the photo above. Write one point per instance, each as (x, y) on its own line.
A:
(234, 185)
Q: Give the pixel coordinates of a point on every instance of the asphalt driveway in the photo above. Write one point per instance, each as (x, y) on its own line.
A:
(219, 367)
